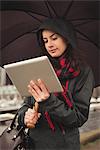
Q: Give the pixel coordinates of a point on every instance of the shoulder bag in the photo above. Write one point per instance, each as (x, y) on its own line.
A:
(15, 137)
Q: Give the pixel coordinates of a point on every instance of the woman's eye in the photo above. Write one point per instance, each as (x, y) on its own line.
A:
(46, 41)
(54, 38)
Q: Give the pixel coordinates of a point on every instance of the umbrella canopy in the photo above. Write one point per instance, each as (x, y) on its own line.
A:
(19, 20)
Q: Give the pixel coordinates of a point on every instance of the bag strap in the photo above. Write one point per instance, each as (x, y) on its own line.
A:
(13, 121)
(15, 117)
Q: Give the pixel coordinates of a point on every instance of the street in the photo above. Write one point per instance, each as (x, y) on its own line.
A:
(93, 121)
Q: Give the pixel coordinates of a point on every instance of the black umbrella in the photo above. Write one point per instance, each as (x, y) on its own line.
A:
(19, 20)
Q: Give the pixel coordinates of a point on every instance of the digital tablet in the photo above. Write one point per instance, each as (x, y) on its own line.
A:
(21, 73)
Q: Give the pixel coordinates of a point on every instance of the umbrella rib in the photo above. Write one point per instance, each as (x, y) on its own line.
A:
(69, 7)
(15, 39)
(29, 13)
(34, 13)
(22, 10)
(52, 8)
(83, 39)
(46, 3)
(5, 4)
(80, 24)
(37, 13)
(79, 19)
(88, 39)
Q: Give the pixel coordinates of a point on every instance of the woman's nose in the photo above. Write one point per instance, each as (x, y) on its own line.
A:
(50, 44)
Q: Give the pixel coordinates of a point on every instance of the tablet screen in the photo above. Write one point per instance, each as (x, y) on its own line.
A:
(21, 73)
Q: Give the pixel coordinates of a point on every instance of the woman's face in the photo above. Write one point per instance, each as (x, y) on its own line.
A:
(54, 43)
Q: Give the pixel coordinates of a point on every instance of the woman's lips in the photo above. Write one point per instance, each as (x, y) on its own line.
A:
(53, 50)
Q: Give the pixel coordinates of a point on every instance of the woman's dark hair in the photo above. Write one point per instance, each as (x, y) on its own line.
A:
(65, 29)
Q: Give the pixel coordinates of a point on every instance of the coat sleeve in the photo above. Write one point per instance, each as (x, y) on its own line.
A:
(58, 109)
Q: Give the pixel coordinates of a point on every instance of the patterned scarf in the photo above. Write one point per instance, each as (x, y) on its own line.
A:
(64, 72)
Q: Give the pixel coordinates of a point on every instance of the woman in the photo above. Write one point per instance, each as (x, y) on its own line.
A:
(54, 120)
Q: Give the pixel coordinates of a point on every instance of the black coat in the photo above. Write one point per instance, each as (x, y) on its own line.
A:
(80, 91)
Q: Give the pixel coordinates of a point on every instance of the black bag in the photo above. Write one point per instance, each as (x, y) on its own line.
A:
(15, 138)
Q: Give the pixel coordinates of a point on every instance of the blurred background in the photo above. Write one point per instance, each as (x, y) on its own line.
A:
(18, 19)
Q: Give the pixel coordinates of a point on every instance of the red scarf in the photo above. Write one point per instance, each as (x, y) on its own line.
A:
(64, 72)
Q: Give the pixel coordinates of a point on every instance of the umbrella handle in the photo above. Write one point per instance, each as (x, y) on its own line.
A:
(36, 106)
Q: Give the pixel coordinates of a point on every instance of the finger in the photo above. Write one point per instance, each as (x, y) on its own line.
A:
(31, 111)
(30, 114)
(38, 95)
(42, 86)
(35, 86)
(45, 93)
(33, 92)
(31, 119)
(30, 125)
(27, 121)
(39, 115)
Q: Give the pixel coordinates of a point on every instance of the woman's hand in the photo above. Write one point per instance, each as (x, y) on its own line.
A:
(32, 116)
(38, 90)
